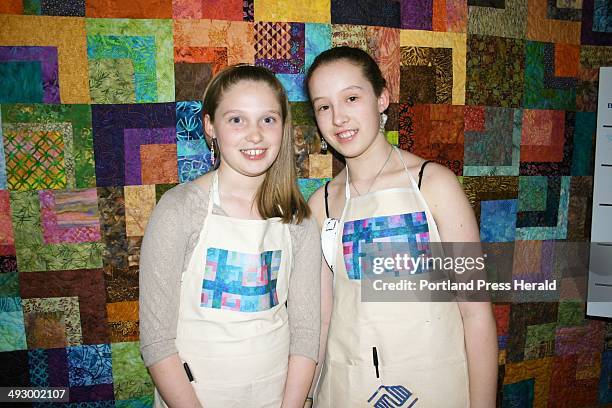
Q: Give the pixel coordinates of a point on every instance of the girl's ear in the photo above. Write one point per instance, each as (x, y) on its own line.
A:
(383, 100)
(208, 127)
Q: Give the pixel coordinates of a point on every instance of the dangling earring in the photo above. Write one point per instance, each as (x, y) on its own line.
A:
(383, 122)
(323, 145)
(214, 147)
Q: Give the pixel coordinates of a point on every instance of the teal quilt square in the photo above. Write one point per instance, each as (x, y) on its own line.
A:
(12, 327)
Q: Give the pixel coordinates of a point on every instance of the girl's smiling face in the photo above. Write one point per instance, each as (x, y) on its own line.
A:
(346, 107)
(248, 126)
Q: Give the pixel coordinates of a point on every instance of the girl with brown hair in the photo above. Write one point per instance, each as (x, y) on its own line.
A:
(229, 293)
(421, 354)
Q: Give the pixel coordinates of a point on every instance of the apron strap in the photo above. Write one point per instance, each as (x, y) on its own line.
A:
(399, 154)
(347, 188)
(412, 181)
(213, 195)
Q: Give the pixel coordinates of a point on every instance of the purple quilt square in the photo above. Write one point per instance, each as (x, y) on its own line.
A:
(109, 134)
(57, 360)
(100, 392)
(417, 14)
(133, 139)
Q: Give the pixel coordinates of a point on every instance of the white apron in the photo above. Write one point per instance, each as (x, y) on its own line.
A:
(232, 326)
(419, 345)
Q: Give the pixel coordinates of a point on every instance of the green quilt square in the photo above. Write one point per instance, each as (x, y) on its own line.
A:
(33, 254)
(532, 193)
(9, 284)
(130, 377)
(112, 81)
(571, 313)
(71, 124)
(539, 341)
(148, 44)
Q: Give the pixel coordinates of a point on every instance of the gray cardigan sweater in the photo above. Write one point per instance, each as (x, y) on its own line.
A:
(170, 238)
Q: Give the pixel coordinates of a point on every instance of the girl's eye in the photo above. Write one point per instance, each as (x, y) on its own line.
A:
(269, 120)
(235, 119)
(322, 108)
(352, 98)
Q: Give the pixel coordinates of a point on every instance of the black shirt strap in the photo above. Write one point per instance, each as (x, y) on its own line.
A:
(326, 206)
(420, 173)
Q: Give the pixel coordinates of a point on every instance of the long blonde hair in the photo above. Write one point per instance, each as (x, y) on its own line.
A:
(278, 195)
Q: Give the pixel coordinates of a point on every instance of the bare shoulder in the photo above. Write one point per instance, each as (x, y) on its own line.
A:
(440, 186)
(433, 173)
(449, 204)
(437, 176)
(446, 200)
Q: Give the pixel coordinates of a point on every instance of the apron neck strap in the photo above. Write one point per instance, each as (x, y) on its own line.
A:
(213, 195)
(399, 154)
(347, 188)
(412, 181)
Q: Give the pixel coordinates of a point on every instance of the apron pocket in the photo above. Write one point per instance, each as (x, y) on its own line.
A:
(263, 393)
(347, 386)
(223, 396)
(268, 393)
(212, 396)
(444, 385)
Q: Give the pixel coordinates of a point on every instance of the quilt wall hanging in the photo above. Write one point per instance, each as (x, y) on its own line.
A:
(100, 115)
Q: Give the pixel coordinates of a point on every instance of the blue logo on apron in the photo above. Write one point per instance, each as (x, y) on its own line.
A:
(392, 396)
(239, 281)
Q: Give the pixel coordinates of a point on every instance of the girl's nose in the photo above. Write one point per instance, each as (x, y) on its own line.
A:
(255, 135)
(339, 118)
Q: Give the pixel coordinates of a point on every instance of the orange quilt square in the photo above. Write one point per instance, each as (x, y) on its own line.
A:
(567, 60)
(159, 164)
(129, 9)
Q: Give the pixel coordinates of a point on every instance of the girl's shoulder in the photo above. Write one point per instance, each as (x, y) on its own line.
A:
(189, 196)
(180, 194)
(182, 207)
(440, 186)
(430, 171)
(202, 184)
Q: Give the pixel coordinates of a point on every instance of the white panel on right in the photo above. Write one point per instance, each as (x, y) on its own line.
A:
(599, 302)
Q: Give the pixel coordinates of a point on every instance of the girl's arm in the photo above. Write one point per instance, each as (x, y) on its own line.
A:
(172, 383)
(161, 263)
(481, 348)
(299, 377)
(456, 223)
(303, 307)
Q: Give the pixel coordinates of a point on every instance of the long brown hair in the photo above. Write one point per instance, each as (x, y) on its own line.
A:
(278, 195)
